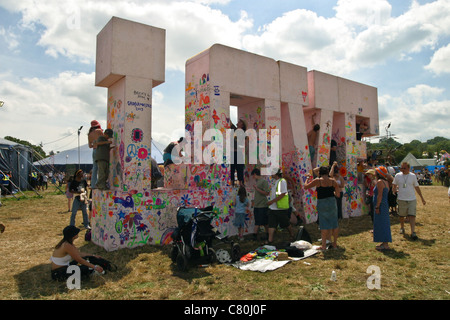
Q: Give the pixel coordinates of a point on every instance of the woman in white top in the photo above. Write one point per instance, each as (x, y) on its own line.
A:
(66, 254)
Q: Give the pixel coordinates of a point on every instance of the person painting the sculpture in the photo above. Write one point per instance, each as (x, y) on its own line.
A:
(260, 206)
(94, 133)
(102, 145)
(238, 161)
(167, 155)
(312, 138)
(241, 205)
(327, 191)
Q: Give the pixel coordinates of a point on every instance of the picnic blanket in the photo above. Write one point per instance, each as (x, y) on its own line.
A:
(265, 258)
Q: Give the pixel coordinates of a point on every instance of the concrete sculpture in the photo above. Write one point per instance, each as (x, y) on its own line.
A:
(274, 95)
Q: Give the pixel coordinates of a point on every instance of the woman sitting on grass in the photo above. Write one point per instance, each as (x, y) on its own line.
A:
(66, 254)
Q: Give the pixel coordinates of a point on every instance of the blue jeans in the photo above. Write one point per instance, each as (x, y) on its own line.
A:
(94, 170)
(77, 204)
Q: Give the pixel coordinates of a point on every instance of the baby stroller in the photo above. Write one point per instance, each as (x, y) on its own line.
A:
(193, 239)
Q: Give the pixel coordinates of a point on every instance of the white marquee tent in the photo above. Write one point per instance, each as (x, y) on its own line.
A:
(84, 157)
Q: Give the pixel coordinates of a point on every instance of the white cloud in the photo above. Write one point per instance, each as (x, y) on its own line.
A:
(419, 113)
(10, 38)
(362, 34)
(165, 131)
(363, 13)
(304, 38)
(70, 27)
(440, 62)
(48, 109)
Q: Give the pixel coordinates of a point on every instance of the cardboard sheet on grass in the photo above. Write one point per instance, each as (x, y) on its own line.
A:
(267, 258)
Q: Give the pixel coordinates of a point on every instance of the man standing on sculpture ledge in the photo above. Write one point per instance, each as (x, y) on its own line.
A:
(312, 138)
(102, 144)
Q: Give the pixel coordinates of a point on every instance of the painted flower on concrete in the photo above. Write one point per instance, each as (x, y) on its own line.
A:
(133, 218)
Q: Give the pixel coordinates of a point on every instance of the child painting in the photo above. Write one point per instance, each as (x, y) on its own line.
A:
(241, 205)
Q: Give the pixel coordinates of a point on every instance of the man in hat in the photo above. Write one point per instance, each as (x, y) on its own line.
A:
(94, 133)
(406, 185)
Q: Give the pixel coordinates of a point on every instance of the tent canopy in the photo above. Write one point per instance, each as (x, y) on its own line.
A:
(16, 158)
(412, 160)
(71, 156)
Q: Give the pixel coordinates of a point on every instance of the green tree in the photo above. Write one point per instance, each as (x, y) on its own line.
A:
(38, 153)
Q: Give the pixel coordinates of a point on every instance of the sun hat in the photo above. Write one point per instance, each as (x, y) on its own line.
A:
(370, 171)
(382, 171)
(95, 123)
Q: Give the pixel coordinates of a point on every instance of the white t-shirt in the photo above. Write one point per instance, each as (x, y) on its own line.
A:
(273, 193)
(406, 186)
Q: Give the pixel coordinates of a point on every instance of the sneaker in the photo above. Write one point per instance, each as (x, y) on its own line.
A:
(402, 230)
(414, 236)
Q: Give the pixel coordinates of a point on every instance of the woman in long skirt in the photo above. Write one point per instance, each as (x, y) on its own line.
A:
(381, 220)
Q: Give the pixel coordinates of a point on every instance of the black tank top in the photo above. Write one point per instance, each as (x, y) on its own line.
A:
(324, 192)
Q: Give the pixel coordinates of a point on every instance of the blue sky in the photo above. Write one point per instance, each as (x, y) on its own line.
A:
(47, 61)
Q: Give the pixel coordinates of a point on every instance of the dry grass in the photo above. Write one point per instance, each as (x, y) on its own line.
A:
(416, 270)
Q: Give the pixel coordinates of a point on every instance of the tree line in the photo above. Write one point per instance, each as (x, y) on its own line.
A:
(420, 150)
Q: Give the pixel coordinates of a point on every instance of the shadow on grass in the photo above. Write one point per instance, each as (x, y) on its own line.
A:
(394, 254)
(36, 282)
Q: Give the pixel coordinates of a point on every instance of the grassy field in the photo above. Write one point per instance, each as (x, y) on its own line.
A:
(413, 270)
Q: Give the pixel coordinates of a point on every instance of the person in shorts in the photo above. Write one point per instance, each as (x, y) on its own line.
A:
(260, 206)
(405, 184)
(279, 214)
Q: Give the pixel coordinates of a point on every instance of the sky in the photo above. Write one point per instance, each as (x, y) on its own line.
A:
(47, 58)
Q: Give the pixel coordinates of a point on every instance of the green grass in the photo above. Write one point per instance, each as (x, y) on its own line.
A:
(413, 270)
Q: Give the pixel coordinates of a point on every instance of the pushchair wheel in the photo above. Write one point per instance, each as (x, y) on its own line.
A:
(174, 254)
(235, 252)
(182, 262)
(212, 257)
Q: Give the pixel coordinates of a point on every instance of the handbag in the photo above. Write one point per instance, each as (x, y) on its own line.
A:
(368, 199)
